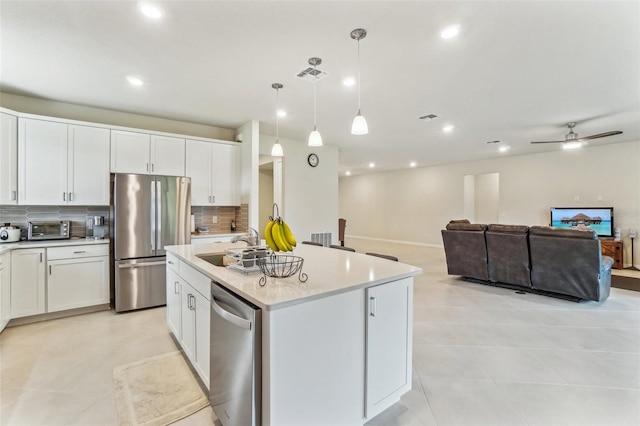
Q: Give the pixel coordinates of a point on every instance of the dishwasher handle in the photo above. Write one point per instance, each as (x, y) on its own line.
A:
(228, 316)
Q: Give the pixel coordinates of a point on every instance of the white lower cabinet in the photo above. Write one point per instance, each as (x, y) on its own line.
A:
(58, 278)
(5, 289)
(174, 302)
(77, 277)
(388, 344)
(188, 315)
(28, 281)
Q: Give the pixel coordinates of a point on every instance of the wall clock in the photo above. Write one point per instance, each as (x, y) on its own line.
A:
(313, 160)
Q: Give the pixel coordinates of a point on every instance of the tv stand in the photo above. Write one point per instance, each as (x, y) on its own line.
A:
(613, 249)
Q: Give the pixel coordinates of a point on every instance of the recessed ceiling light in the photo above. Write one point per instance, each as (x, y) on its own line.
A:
(282, 113)
(150, 11)
(413, 164)
(349, 81)
(448, 128)
(134, 81)
(372, 165)
(504, 148)
(450, 31)
(348, 173)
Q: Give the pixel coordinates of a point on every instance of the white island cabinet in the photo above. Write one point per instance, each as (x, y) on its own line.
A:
(336, 349)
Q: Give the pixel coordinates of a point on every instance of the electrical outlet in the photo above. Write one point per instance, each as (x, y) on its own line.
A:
(214, 219)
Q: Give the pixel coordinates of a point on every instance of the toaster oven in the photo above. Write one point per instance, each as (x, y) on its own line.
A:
(49, 230)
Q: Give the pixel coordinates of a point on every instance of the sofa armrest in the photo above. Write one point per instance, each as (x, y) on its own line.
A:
(607, 263)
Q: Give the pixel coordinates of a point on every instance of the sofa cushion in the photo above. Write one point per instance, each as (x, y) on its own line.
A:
(461, 226)
(510, 229)
(548, 231)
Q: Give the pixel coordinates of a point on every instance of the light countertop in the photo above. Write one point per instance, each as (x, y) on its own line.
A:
(330, 271)
(217, 234)
(5, 247)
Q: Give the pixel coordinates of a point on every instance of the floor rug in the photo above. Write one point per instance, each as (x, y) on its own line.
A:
(156, 391)
(627, 283)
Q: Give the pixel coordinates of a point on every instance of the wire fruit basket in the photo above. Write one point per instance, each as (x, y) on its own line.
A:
(281, 266)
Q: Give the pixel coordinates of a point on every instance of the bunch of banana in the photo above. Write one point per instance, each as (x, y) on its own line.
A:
(279, 236)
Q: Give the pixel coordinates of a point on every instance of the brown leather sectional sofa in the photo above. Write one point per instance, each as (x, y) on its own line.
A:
(565, 263)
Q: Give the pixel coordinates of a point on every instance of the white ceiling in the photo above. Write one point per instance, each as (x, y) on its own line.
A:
(517, 72)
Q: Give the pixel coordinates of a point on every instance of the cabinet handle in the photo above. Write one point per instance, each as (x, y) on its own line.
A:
(147, 166)
(14, 195)
(78, 252)
(40, 257)
(372, 306)
(71, 196)
(176, 288)
(153, 167)
(64, 196)
(49, 269)
(213, 199)
(169, 262)
(194, 303)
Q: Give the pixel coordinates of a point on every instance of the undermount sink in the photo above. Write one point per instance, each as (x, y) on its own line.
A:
(212, 258)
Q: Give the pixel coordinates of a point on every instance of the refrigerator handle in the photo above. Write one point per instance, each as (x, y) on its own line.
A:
(152, 213)
(159, 214)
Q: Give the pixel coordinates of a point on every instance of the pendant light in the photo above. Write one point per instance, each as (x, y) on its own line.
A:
(276, 150)
(315, 139)
(359, 126)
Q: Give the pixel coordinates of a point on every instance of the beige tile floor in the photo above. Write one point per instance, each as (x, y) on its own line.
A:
(482, 356)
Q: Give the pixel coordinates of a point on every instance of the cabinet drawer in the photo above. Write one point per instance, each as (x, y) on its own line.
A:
(173, 263)
(196, 279)
(71, 252)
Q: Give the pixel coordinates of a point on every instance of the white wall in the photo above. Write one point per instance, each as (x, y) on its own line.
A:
(414, 205)
(310, 194)
(69, 111)
(249, 187)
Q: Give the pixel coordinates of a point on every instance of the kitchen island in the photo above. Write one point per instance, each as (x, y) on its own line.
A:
(335, 349)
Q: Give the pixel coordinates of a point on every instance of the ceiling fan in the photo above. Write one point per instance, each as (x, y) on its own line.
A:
(573, 137)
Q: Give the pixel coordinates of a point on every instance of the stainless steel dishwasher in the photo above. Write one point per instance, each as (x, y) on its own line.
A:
(236, 359)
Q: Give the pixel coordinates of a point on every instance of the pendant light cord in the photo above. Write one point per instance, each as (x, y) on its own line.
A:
(277, 120)
(315, 102)
(358, 76)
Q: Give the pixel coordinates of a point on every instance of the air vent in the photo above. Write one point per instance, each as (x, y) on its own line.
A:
(428, 117)
(312, 74)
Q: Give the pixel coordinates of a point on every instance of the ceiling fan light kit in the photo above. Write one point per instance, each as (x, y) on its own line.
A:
(315, 139)
(359, 125)
(572, 141)
(276, 150)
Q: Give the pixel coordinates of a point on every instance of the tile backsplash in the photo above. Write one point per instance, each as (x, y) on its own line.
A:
(76, 215)
(204, 217)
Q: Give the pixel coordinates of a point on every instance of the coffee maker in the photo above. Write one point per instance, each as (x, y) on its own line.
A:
(96, 228)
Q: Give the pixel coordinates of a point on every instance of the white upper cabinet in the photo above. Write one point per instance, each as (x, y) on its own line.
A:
(167, 155)
(8, 159)
(60, 164)
(42, 162)
(141, 153)
(88, 170)
(130, 152)
(214, 169)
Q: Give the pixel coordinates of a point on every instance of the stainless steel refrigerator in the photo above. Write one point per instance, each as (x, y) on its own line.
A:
(148, 213)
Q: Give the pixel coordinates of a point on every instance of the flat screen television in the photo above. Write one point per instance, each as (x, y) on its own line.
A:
(598, 218)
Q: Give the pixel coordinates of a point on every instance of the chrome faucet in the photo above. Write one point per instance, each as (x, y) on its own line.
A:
(253, 239)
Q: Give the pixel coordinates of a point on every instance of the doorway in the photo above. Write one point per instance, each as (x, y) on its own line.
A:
(482, 198)
(269, 188)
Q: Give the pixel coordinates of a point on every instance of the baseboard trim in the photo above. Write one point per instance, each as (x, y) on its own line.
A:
(55, 315)
(384, 240)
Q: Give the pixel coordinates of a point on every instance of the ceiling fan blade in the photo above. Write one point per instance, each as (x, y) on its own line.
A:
(548, 142)
(601, 135)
